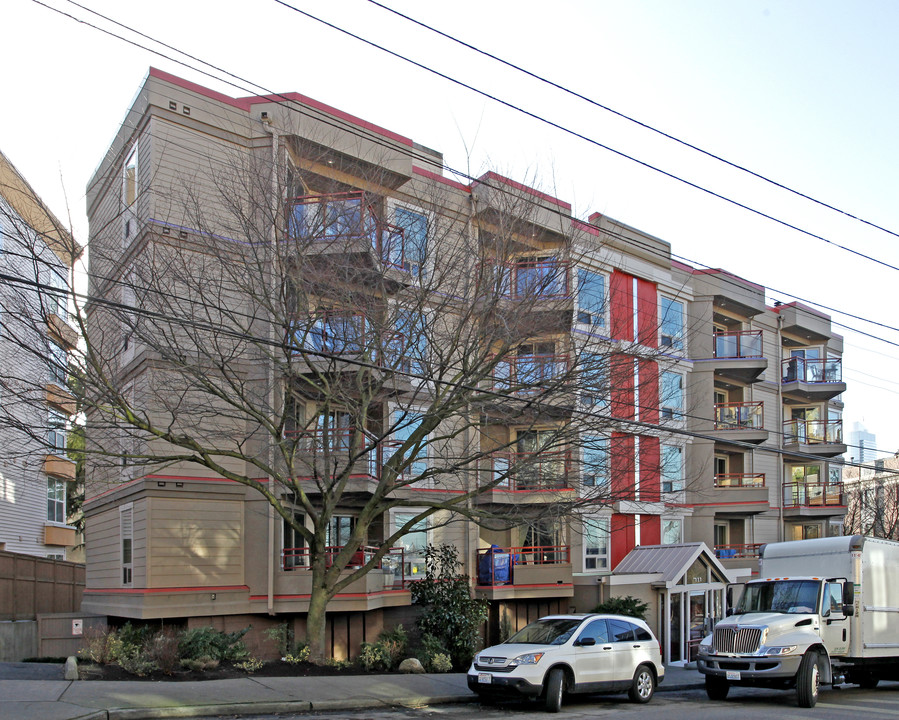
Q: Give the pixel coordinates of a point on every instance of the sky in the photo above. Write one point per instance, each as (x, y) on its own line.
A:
(800, 92)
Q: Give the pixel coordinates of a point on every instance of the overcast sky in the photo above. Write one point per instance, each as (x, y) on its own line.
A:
(801, 92)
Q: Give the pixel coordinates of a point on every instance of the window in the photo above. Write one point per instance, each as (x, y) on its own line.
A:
(596, 543)
(333, 430)
(672, 468)
(56, 431)
(126, 532)
(594, 368)
(339, 333)
(671, 394)
(415, 461)
(58, 361)
(672, 531)
(293, 544)
(407, 349)
(595, 469)
(339, 530)
(591, 298)
(414, 544)
(720, 465)
(56, 500)
(412, 252)
(57, 295)
(540, 277)
(129, 179)
(671, 324)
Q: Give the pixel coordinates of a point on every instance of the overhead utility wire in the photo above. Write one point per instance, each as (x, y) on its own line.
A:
(290, 105)
(624, 116)
(587, 139)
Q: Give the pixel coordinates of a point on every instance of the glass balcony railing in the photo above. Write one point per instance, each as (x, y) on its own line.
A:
(496, 565)
(529, 471)
(813, 494)
(813, 432)
(739, 416)
(815, 370)
(736, 480)
(745, 344)
(528, 372)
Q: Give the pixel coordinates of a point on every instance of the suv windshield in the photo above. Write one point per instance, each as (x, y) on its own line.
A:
(786, 596)
(554, 631)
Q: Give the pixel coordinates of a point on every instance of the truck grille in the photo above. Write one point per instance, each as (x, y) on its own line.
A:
(737, 640)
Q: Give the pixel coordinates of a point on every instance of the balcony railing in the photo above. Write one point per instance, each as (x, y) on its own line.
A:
(496, 565)
(813, 494)
(348, 218)
(813, 432)
(528, 372)
(394, 561)
(543, 278)
(330, 442)
(529, 471)
(340, 333)
(727, 552)
(739, 416)
(745, 344)
(734, 480)
(817, 370)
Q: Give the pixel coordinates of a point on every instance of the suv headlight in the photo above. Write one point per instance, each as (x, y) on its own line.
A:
(527, 659)
(780, 650)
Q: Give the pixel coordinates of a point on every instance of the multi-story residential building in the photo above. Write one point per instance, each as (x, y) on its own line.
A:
(36, 474)
(625, 399)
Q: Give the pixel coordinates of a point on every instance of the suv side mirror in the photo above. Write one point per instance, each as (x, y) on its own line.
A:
(585, 642)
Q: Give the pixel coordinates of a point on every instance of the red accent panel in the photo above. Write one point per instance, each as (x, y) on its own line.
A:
(623, 538)
(621, 461)
(648, 371)
(650, 471)
(621, 382)
(650, 530)
(647, 313)
(621, 306)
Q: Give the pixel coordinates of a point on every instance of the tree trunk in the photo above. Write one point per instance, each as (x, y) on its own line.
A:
(316, 622)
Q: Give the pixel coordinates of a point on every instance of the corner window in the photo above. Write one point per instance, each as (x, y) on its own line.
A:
(594, 381)
(672, 468)
(671, 324)
(56, 500)
(414, 543)
(596, 544)
(591, 298)
(671, 394)
(58, 361)
(57, 295)
(126, 533)
(414, 463)
(410, 252)
(56, 431)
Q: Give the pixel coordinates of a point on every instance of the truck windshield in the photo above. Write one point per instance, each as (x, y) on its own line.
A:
(786, 596)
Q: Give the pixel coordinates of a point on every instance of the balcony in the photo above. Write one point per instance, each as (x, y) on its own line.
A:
(59, 466)
(534, 571)
(817, 437)
(740, 422)
(325, 452)
(812, 499)
(347, 224)
(526, 375)
(527, 477)
(742, 489)
(811, 380)
(737, 552)
(738, 356)
(543, 285)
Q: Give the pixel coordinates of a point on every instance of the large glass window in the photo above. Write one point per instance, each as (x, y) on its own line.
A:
(414, 544)
(591, 298)
(596, 543)
(406, 422)
(407, 349)
(56, 431)
(594, 381)
(595, 468)
(58, 361)
(339, 530)
(56, 500)
(671, 394)
(126, 533)
(293, 544)
(333, 430)
(129, 178)
(672, 468)
(413, 251)
(338, 333)
(671, 324)
(538, 277)
(672, 531)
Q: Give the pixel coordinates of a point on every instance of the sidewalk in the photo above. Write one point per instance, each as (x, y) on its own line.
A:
(25, 698)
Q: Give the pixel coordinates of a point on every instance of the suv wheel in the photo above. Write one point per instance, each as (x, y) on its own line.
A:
(555, 687)
(642, 686)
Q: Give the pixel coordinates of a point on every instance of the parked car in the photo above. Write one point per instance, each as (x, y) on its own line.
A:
(561, 654)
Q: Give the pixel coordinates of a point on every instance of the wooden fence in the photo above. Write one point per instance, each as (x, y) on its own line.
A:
(31, 585)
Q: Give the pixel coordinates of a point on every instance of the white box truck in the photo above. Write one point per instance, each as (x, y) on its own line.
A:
(822, 611)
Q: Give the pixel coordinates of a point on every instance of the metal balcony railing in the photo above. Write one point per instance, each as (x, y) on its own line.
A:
(529, 471)
(813, 432)
(744, 344)
(740, 480)
(726, 552)
(813, 494)
(543, 278)
(394, 561)
(330, 442)
(739, 416)
(528, 372)
(817, 370)
(496, 565)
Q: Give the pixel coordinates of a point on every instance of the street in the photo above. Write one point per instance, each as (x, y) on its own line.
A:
(750, 704)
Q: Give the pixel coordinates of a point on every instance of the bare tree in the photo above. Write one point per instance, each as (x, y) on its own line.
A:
(872, 501)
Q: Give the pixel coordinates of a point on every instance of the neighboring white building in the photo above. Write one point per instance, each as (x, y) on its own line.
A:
(36, 257)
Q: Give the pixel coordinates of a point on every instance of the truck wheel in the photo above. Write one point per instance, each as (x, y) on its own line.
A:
(808, 680)
(555, 687)
(716, 688)
(642, 686)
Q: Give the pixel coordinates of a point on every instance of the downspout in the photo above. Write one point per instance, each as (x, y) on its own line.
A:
(268, 126)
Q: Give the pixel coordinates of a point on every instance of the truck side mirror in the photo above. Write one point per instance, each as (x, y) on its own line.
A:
(848, 599)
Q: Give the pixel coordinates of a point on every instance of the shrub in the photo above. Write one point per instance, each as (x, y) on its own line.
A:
(449, 612)
(630, 606)
(163, 649)
(201, 663)
(209, 642)
(250, 665)
(300, 655)
(282, 634)
(137, 662)
(387, 652)
(102, 647)
(440, 662)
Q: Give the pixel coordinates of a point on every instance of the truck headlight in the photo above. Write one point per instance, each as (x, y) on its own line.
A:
(781, 650)
(705, 647)
(528, 659)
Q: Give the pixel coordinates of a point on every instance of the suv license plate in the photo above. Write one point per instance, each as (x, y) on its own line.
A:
(485, 678)
(733, 674)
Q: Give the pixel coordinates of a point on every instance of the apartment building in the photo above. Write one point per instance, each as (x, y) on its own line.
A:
(36, 473)
(467, 361)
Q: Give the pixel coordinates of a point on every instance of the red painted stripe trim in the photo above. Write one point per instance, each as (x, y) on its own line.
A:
(171, 590)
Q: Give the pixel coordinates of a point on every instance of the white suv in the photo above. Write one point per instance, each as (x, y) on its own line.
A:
(561, 654)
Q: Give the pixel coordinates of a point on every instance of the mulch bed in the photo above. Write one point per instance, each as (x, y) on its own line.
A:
(222, 672)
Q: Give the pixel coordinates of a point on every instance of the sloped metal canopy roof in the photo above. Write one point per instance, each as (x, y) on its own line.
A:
(669, 561)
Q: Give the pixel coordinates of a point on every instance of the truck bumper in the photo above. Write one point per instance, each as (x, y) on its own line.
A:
(749, 669)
